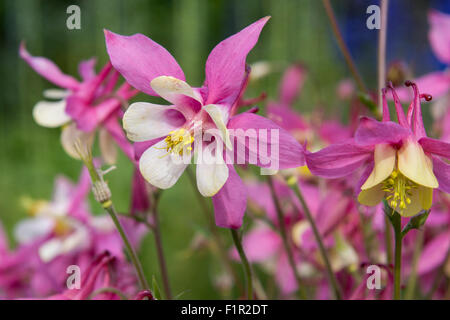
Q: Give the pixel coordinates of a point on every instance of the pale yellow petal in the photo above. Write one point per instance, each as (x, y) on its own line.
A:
(107, 147)
(415, 165)
(71, 135)
(384, 158)
(371, 197)
(171, 88)
(219, 116)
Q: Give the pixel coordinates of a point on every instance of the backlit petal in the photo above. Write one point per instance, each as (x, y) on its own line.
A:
(220, 117)
(384, 158)
(371, 197)
(415, 165)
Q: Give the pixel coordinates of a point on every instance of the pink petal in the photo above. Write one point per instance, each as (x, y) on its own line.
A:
(225, 67)
(435, 83)
(285, 276)
(230, 202)
(141, 147)
(434, 253)
(285, 117)
(140, 201)
(86, 69)
(290, 152)
(79, 194)
(140, 60)
(115, 130)
(439, 36)
(291, 84)
(371, 132)
(48, 70)
(333, 131)
(259, 194)
(261, 244)
(436, 147)
(441, 170)
(338, 160)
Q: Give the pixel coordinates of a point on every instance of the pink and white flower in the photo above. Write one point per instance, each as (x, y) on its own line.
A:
(166, 133)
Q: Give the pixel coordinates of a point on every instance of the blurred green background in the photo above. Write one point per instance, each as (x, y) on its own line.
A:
(31, 156)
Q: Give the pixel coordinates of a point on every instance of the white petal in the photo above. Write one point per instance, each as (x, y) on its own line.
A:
(212, 171)
(415, 165)
(220, 115)
(29, 230)
(107, 147)
(50, 249)
(78, 239)
(384, 158)
(56, 93)
(172, 89)
(51, 114)
(146, 121)
(160, 168)
(70, 135)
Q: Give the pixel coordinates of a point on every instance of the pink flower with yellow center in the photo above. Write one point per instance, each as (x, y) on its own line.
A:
(402, 165)
(167, 133)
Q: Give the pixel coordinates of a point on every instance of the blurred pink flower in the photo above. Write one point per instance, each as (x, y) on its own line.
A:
(82, 107)
(401, 163)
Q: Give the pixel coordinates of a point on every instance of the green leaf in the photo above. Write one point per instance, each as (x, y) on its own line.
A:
(367, 101)
(156, 290)
(416, 222)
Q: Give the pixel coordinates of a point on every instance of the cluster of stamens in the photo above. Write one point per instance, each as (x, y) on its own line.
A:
(177, 141)
(398, 189)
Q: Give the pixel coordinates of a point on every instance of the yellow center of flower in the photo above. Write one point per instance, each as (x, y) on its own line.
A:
(398, 190)
(61, 227)
(178, 140)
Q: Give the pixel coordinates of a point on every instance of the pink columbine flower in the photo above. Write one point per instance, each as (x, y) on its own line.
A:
(402, 165)
(81, 107)
(168, 130)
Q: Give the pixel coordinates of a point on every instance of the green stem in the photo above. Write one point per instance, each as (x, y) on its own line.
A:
(134, 259)
(160, 250)
(388, 240)
(245, 264)
(396, 222)
(412, 280)
(343, 47)
(284, 237)
(323, 252)
(102, 194)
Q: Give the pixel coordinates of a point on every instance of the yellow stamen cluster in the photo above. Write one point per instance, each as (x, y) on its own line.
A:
(177, 140)
(61, 227)
(398, 189)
